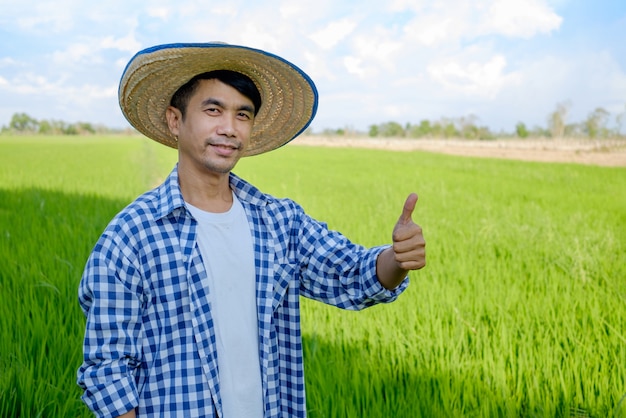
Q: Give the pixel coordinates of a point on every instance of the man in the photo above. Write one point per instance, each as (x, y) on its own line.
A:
(192, 292)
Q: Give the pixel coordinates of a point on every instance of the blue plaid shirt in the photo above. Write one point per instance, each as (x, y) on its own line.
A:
(149, 341)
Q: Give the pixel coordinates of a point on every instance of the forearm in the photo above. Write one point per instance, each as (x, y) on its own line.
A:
(388, 270)
(129, 414)
(112, 341)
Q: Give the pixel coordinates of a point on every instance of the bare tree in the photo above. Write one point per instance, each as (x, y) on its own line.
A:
(557, 120)
(595, 124)
(619, 121)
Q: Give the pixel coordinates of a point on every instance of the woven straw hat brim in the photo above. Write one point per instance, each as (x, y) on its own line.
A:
(289, 97)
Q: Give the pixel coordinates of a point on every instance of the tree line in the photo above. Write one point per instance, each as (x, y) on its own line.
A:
(598, 124)
(22, 123)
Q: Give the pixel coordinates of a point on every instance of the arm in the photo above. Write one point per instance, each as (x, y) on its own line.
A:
(408, 251)
(332, 269)
(109, 296)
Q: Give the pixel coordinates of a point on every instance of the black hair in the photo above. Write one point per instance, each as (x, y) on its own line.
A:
(240, 82)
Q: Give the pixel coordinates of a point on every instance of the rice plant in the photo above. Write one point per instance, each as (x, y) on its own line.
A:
(519, 312)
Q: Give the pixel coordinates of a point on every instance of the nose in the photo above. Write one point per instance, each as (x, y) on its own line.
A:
(227, 126)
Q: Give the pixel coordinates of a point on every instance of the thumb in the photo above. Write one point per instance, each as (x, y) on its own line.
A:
(407, 210)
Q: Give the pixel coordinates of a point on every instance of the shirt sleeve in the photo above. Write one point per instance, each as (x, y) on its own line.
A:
(338, 272)
(108, 294)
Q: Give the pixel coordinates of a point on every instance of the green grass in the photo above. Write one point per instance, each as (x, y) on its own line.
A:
(520, 312)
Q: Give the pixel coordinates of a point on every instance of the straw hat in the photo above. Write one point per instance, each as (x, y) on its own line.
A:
(289, 97)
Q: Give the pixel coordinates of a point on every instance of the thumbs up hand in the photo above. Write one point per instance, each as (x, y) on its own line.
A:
(408, 251)
(409, 247)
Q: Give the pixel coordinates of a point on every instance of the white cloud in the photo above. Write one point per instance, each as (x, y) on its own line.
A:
(436, 25)
(481, 79)
(355, 66)
(292, 9)
(333, 33)
(374, 52)
(8, 62)
(521, 18)
(75, 53)
(89, 51)
(225, 10)
(317, 67)
(30, 84)
(258, 28)
(127, 43)
(43, 16)
(404, 5)
(70, 100)
(161, 12)
(260, 37)
(121, 63)
(458, 19)
(588, 79)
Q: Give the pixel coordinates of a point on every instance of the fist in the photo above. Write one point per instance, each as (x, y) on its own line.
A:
(409, 247)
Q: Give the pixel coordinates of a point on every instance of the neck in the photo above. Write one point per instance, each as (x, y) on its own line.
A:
(210, 191)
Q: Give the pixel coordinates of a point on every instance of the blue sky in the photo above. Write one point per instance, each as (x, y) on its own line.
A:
(500, 61)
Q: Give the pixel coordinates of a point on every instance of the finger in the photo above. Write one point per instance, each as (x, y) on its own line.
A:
(412, 260)
(411, 243)
(409, 207)
(403, 232)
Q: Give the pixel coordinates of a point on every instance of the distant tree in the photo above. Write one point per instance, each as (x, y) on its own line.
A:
(539, 132)
(436, 129)
(574, 130)
(85, 128)
(467, 127)
(70, 130)
(521, 130)
(558, 119)
(595, 124)
(21, 122)
(374, 131)
(419, 131)
(45, 127)
(335, 132)
(485, 133)
(620, 118)
(391, 130)
(58, 127)
(449, 130)
(50, 127)
(470, 132)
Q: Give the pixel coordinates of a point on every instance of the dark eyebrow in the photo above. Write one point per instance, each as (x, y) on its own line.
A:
(246, 108)
(211, 101)
(216, 102)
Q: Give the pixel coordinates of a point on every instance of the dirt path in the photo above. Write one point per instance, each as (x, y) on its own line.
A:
(601, 152)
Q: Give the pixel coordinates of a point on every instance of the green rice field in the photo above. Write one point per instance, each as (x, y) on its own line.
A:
(520, 311)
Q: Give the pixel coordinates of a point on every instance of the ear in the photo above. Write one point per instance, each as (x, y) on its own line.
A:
(174, 119)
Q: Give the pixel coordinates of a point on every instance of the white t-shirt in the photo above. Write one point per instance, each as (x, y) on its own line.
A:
(225, 243)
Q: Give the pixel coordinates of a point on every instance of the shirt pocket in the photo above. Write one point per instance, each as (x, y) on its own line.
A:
(283, 277)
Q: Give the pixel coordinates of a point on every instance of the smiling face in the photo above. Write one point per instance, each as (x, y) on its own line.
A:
(215, 129)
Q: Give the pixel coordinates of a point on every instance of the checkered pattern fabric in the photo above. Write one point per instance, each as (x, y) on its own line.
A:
(149, 341)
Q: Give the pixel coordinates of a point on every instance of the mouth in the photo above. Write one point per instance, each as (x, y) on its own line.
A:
(225, 149)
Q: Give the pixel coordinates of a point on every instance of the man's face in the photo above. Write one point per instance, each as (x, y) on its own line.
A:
(217, 127)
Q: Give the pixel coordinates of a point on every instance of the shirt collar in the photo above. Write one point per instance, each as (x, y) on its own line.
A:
(171, 199)
(246, 192)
